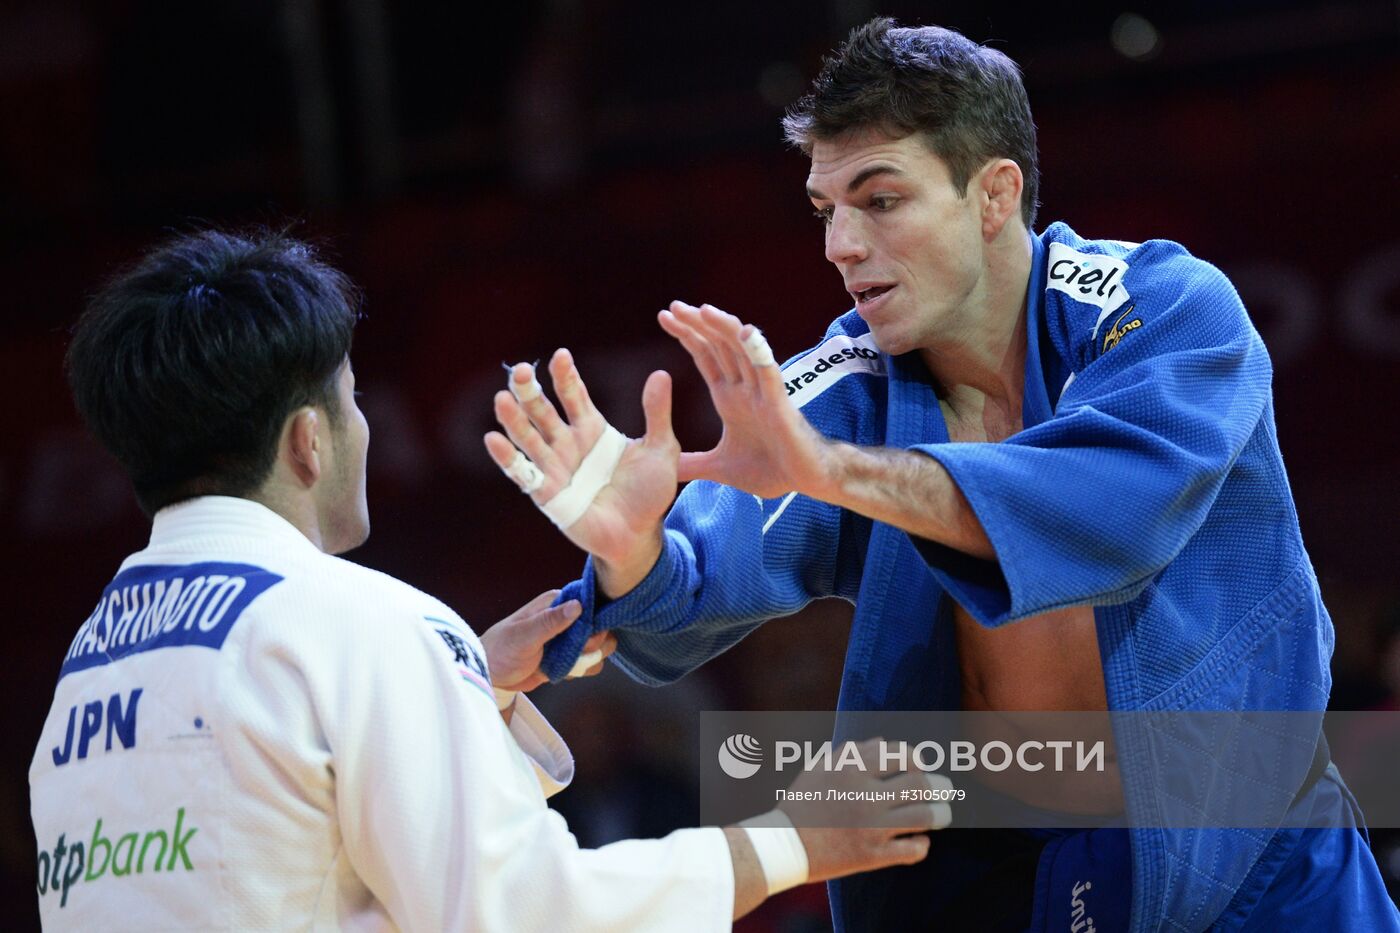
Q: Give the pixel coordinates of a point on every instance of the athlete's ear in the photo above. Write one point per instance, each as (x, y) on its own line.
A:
(300, 448)
(999, 185)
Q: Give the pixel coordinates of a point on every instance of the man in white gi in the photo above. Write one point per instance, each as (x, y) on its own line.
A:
(250, 733)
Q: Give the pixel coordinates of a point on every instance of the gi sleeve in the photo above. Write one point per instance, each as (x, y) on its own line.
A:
(1087, 507)
(729, 562)
(442, 817)
(549, 756)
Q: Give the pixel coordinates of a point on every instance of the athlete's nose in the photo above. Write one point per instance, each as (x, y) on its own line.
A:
(845, 238)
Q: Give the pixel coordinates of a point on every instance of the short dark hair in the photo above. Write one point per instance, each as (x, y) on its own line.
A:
(187, 365)
(966, 100)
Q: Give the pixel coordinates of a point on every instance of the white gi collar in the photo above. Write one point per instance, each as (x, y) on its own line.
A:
(208, 518)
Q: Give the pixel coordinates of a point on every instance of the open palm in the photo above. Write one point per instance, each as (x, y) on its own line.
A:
(624, 519)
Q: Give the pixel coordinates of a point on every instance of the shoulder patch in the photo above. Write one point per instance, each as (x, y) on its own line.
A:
(465, 659)
(1088, 278)
(835, 358)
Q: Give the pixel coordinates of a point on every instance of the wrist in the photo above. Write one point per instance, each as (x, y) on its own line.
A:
(827, 483)
(779, 849)
(617, 578)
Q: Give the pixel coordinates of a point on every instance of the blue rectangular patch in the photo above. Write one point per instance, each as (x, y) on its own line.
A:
(165, 606)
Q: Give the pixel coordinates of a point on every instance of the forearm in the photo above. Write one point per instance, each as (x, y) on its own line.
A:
(907, 490)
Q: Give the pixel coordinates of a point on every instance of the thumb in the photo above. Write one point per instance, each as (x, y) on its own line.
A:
(552, 621)
(656, 403)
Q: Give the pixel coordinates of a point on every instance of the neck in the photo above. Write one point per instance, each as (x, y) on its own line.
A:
(983, 354)
(298, 510)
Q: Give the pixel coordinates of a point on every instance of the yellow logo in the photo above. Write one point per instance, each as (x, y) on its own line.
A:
(1116, 333)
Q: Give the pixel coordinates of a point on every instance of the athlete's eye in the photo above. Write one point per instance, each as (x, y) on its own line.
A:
(883, 202)
(823, 214)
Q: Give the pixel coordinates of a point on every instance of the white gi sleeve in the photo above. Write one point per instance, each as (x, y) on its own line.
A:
(442, 815)
(550, 757)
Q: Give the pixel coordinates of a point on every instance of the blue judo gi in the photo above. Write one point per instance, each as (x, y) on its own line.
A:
(1147, 482)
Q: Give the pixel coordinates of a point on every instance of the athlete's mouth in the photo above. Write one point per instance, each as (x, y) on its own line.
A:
(867, 295)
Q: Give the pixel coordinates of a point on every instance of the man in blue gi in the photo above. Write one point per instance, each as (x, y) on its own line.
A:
(1044, 469)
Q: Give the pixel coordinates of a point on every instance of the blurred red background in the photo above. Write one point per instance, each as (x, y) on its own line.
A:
(510, 180)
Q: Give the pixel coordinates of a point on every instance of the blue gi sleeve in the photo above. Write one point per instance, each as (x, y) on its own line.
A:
(729, 563)
(1086, 507)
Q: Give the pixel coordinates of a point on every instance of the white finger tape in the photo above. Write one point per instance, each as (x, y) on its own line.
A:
(527, 392)
(526, 475)
(584, 662)
(760, 354)
(779, 848)
(595, 472)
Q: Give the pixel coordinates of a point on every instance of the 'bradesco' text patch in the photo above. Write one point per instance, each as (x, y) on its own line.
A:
(165, 606)
(809, 376)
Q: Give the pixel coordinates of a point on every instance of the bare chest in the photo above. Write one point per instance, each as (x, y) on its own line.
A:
(1049, 662)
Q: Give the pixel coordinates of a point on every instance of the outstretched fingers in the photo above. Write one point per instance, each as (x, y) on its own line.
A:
(712, 331)
(523, 434)
(569, 386)
(501, 450)
(723, 331)
(538, 408)
(656, 405)
(680, 321)
(746, 345)
(518, 468)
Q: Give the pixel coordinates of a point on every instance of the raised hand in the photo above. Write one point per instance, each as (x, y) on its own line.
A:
(767, 447)
(621, 527)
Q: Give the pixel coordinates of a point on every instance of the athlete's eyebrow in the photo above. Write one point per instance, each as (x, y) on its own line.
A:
(860, 178)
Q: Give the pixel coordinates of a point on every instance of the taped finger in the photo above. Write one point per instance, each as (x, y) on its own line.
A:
(537, 406)
(524, 472)
(584, 662)
(523, 391)
(756, 346)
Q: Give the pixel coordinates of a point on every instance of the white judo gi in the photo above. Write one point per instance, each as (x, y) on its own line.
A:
(250, 734)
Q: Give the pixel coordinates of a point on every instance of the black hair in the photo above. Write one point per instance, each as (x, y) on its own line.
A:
(187, 365)
(966, 100)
